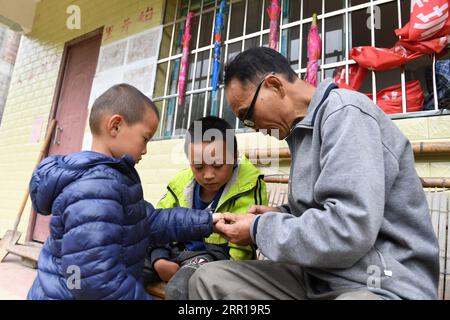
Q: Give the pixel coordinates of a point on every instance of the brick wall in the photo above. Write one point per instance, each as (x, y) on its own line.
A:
(9, 43)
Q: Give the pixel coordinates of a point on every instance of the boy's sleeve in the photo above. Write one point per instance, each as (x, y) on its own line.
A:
(92, 247)
(156, 252)
(178, 224)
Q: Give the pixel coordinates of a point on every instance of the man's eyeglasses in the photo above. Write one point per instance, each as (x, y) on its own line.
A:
(247, 119)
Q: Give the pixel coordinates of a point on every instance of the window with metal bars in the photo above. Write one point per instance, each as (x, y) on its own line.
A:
(343, 24)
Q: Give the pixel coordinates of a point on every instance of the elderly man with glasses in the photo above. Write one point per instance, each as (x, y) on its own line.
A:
(356, 225)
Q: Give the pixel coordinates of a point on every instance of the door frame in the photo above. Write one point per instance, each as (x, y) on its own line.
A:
(54, 107)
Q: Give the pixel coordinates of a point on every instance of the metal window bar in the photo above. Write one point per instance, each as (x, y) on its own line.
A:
(347, 10)
(300, 38)
(347, 41)
(402, 68)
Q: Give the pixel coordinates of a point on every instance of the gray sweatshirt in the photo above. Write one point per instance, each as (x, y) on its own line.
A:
(357, 216)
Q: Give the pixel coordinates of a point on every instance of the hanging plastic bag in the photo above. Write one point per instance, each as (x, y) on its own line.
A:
(383, 58)
(390, 99)
(356, 76)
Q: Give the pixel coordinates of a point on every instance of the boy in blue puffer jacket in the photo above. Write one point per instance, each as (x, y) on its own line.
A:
(101, 226)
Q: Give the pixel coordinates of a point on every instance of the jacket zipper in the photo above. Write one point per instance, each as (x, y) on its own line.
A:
(386, 271)
(174, 195)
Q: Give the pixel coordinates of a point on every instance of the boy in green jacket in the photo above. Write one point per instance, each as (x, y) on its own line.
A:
(217, 180)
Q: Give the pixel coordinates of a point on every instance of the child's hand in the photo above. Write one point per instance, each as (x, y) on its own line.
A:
(166, 269)
(217, 216)
(255, 209)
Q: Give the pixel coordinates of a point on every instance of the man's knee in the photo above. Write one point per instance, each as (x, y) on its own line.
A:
(203, 279)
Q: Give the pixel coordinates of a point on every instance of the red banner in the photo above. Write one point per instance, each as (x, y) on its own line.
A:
(428, 19)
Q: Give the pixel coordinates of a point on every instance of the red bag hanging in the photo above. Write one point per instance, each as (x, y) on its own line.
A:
(428, 19)
(382, 58)
(436, 45)
(356, 76)
(390, 99)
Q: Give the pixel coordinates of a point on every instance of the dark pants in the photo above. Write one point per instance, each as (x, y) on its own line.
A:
(178, 286)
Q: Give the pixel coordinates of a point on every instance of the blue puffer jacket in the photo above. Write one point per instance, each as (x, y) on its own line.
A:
(101, 227)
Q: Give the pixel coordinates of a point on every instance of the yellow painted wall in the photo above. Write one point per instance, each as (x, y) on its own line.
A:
(34, 81)
(428, 129)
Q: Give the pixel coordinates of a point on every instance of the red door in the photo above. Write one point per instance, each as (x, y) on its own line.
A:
(72, 109)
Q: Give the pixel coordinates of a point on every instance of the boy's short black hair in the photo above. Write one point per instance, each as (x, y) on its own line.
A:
(122, 99)
(214, 125)
(253, 64)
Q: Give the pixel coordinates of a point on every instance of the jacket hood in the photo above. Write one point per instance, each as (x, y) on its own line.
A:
(56, 172)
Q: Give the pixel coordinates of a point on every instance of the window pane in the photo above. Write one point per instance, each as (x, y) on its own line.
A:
(194, 31)
(265, 41)
(183, 8)
(198, 104)
(158, 105)
(251, 43)
(366, 87)
(210, 102)
(227, 114)
(182, 115)
(201, 72)
(237, 17)
(206, 30)
(422, 69)
(168, 117)
(387, 78)
(173, 76)
(290, 45)
(254, 16)
(310, 7)
(386, 21)
(357, 2)
(233, 50)
(165, 42)
(334, 39)
(161, 71)
(291, 11)
(334, 5)
(330, 73)
(266, 16)
(404, 6)
(178, 38)
(169, 12)
(360, 33)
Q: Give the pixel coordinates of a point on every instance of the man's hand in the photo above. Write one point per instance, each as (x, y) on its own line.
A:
(255, 209)
(236, 228)
(166, 269)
